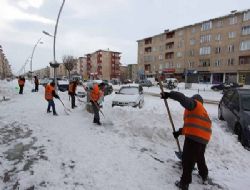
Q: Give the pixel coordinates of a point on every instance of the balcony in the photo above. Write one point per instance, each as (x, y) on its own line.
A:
(148, 41)
(169, 55)
(170, 35)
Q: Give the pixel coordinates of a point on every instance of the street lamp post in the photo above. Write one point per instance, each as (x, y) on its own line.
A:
(33, 51)
(54, 65)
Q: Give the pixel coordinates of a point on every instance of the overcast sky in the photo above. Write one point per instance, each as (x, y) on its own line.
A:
(88, 25)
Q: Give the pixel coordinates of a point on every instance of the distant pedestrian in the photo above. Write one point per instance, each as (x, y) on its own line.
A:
(21, 82)
(197, 131)
(49, 94)
(72, 92)
(36, 81)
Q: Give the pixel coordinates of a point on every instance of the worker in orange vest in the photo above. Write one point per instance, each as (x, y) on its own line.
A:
(95, 95)
(72, 92)
(21, 82)
(197, 131)
(49, 94)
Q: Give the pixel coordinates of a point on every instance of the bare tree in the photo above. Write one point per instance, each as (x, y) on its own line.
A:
(69, 62)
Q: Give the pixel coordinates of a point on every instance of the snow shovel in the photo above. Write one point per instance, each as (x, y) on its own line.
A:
(178, 154)
(66, 110)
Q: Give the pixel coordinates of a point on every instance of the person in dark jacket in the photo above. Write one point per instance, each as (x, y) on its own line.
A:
(72, 92)
(21, 82)
(49, 94)
(36, 81)
(197, 131)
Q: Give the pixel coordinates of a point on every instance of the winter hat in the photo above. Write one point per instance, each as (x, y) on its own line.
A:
(198, 97)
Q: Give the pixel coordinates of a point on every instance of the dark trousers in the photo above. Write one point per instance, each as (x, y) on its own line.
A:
(36, 87)
(96, 111)
(51, 104)
(73, 100)
(20, 89)
(193, 152)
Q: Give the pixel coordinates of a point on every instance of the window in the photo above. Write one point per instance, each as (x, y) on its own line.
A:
(205, 63)
(205, 50)
(178, 65)
(206, 26)
(192, 41)
(217, 63)
(233, 20)
(231, 48)
(230, 61)
(218, 37)
(219, 24)
(245, 45)
(160, 57)
(179, 54)
(245, 30)
(217, 50)
(180, 33)
(231, 34)
(190, 64)
(244, 60)
(246, 16)
(191, 53)
(148, 49)
(205, 38)
(180, 43)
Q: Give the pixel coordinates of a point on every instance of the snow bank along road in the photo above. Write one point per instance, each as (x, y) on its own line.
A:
(40, 151)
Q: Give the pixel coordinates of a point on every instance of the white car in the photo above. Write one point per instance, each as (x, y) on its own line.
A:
(129, 95)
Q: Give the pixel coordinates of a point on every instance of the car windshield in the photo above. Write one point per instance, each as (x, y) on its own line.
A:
(129, 90)
(246, 102)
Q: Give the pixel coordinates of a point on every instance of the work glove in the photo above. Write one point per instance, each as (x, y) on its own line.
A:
(177, 133)
(56, 96)
(165, 95)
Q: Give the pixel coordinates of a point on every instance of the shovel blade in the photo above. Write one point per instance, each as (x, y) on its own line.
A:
(179, 155)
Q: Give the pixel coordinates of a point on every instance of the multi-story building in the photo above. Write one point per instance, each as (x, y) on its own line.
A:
(218, 50)
(5, 69)
(133, 72)
(103, 64)
(82, 65)
(42, 73)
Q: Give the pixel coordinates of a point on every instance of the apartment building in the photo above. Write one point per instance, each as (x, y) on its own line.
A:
(103, 64)
(5, 69)
(218, 50)
(133, 71)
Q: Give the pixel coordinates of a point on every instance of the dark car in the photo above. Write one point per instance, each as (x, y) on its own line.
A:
(234, 108)
(225, 86)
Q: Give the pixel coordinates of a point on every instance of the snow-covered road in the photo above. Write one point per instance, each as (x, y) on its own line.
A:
(41, 151)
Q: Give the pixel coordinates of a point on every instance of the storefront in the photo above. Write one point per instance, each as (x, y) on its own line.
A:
(217, 78)
(204, 76)
(244, 78)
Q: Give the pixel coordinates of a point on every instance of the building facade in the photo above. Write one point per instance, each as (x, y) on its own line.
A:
(133, 72)
(5, 69)
(103, 64)
(218, 50)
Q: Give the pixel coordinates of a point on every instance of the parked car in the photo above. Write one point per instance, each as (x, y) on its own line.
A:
(146, 83)
(170, 83)
(234, 108)
(225, 86)
(63, 85)
(129, 95)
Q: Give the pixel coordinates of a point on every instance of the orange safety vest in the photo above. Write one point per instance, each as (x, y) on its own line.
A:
(72, 87)
(197, 124)
(95, 93)
(20, 82)
(48, 92)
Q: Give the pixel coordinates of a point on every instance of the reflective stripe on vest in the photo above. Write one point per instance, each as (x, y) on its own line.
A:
(197, 124)
(48, 92)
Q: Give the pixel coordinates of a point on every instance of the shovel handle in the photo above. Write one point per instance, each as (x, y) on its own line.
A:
(168, 110)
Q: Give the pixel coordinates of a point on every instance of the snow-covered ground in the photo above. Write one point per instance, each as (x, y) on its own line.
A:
(42, 151)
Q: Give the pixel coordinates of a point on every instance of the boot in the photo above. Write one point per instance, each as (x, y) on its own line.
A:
(181, 186)
(48, 111)
(94, 121)
(55, 114)
(98, 123)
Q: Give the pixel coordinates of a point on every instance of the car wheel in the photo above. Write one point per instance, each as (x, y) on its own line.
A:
(220, 114)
